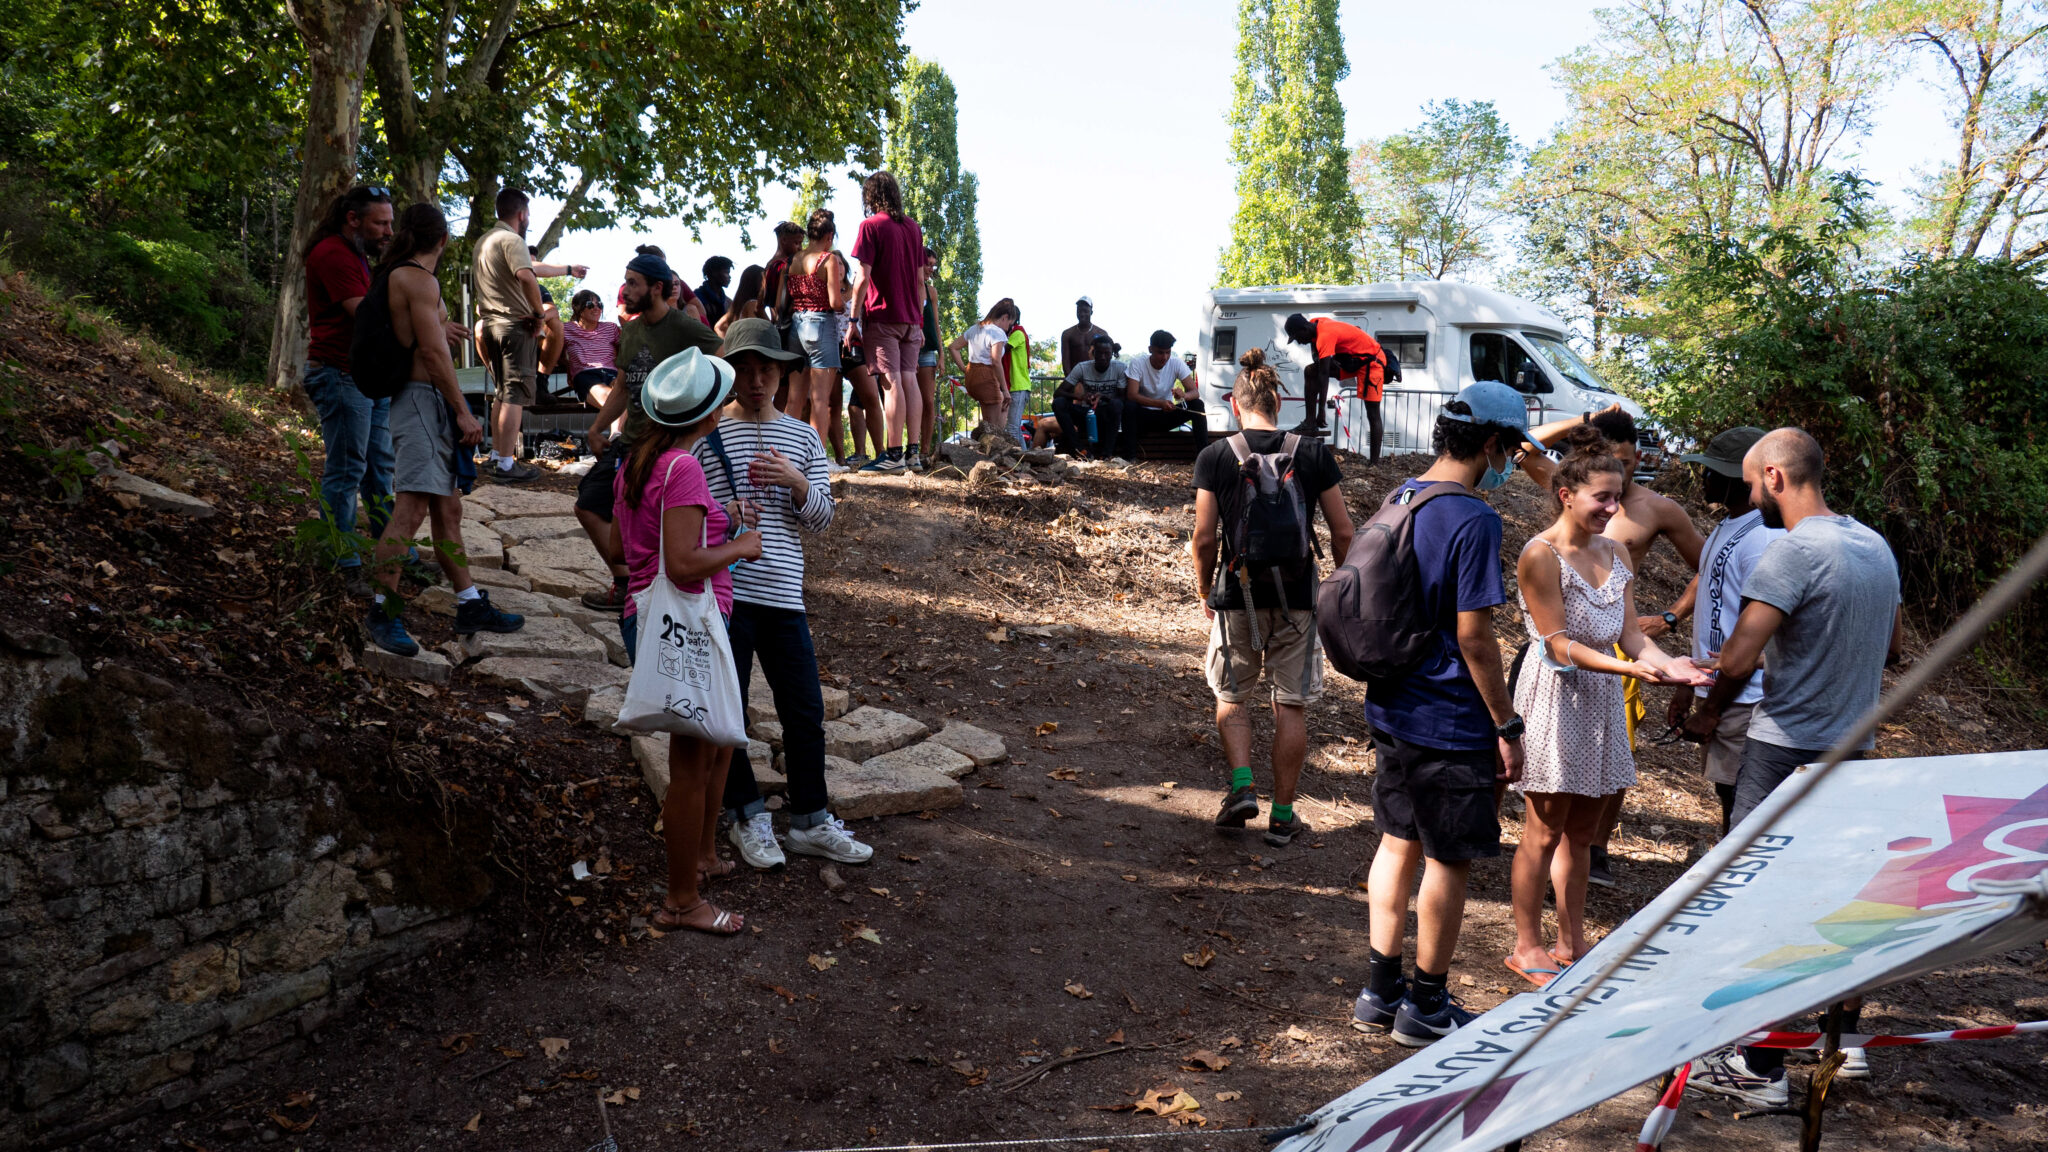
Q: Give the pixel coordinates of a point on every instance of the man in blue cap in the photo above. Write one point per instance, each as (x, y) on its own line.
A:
(1444, 734)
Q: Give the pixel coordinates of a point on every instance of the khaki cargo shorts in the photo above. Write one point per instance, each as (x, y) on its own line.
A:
(1722, 753)
(513, 355)
(1292, 658)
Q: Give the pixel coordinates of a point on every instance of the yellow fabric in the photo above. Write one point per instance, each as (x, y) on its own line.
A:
(1632, 709)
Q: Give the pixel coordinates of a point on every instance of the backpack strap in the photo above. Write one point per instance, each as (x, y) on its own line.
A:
(716, 443)
(1239, 446)
(1417, 497)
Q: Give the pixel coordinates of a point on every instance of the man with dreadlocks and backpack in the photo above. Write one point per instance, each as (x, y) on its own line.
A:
(1256, 494)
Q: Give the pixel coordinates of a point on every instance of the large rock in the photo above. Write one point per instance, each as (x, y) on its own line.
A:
(495, 578)
(440, 600)
(760, 697)
(567, 584)
(602, 709)
(155, 496)
(867, 732)
(570, 681)
(520, 529)
(930, 754)
(543, 637)
(504, 501)
(606, 633)
(481, 546)
(650, 752)
(425, 667)
(877, 788)
(567, 555)
(837, 701)
(960, 455)
(979, 745)
(768, 732)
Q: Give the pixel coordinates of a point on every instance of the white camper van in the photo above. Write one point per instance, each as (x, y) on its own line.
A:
(1445, 335)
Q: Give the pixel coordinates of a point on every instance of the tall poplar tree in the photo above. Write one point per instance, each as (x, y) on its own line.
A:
(923, 150)
(1297, 220)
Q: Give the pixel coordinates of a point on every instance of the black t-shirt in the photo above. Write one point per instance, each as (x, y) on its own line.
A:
(1216, 470)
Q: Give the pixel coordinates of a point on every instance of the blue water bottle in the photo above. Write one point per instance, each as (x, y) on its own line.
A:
(1091, 425)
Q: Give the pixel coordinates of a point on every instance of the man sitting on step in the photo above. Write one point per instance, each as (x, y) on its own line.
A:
(769, 471)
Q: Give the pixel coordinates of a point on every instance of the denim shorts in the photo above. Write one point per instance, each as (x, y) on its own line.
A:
(927, 357)
(817, 336)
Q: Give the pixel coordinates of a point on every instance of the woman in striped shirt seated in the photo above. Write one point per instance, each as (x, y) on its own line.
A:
(591, 346)
(770, 471)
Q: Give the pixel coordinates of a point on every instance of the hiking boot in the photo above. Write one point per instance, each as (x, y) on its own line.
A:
(1598, 873)
(1415, 1028)
(1855, 1065)
(387, 631)
(519, 473)
(1725, 1072)
(1240, 806)
(830, 840)
(1374, 1012)
(1281, 833)
(610, 598)
(755, 838)
(478, 615)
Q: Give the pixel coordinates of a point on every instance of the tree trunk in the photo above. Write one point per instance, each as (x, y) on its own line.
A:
(337, 35)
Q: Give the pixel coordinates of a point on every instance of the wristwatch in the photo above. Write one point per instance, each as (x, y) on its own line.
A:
(1512, 730)
(1671, 619)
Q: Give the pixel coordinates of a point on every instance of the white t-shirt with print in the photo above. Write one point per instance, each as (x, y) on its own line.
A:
(1732, 550)
(1157, 382)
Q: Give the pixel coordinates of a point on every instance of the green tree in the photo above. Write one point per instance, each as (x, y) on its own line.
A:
(924, 153)
(1434, 197)
(1297, 220)
(813, 192)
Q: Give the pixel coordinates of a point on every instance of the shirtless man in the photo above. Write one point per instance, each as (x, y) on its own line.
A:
(1644, 516)
(428, 419)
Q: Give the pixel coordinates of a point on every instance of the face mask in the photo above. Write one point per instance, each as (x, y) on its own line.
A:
(1495, 477)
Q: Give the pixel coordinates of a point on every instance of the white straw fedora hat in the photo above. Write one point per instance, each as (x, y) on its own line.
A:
(685, 388)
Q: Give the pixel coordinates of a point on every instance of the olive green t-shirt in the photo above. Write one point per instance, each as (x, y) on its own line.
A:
(644, 344)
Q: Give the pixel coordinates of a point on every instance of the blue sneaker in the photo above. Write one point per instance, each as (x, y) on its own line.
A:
(1414, 1028)
(478, 616)
(388, 632)
(1374, 1012)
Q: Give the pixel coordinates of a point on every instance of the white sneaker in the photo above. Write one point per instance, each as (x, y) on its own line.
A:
(755, 838)
(1855, 1065)
(830, 840)
(833, 469)
(1724, 1072)
(1119, 462)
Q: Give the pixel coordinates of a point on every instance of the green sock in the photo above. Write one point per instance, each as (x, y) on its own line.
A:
(1282, 813)
(1240, 778)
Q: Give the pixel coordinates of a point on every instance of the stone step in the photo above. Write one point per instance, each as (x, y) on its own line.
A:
(650, 752)
(881, 788)
(978, 745)
(522, 529)
(542, 637)
(568, 555)
(427, 667)
(928, 755)
(482, 546)
(568, 584)
(155, 497)
(499, 578)
(506, 501)
(568, 681)
(867, 732)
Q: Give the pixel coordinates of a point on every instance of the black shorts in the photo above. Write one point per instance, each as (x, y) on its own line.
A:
(592, 378)
(594, 492)
(1441, 797)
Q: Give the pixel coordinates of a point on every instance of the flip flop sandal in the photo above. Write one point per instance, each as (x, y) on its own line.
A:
(724, 924)
(1563, 962)
(1530, 974)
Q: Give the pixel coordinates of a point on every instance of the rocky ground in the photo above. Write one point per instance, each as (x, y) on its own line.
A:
(1072, 901)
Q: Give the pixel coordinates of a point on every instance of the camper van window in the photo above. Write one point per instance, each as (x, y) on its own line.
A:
(1409, 349)
(1223, 346)
(1566, 361)
(1498, 356)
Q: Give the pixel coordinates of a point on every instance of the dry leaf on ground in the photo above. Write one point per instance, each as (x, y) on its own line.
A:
(1206, 1060)
(1227, 1097)
(458, 1043)
(869, 935)
(1079, 991)
(1167, 1101)
(475, 1122)
(1064, 774)
(1199, 958)
(1048, 727)
(291, 1125)
(553, 1046)
(1116, 1037)
(1297, 1033)
(821, 962)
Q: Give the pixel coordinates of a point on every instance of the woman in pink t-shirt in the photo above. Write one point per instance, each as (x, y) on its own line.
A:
(665, 511)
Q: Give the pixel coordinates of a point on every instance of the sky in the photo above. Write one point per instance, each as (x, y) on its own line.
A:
(1110, 113)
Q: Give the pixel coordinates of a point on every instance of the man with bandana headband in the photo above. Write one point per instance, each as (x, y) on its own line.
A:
(657, 331)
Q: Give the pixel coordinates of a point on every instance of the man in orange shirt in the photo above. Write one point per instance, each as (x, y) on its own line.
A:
(1342, 352)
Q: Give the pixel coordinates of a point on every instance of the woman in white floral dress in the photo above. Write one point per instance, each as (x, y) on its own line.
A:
(1578, 599)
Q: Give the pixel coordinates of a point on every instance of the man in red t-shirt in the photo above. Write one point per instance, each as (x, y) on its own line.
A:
(1342, 352)
(353, 428)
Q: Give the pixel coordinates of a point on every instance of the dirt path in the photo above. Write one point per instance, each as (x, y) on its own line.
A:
(1060, 912)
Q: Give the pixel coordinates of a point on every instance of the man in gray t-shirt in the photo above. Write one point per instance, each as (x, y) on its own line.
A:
(1820, 611)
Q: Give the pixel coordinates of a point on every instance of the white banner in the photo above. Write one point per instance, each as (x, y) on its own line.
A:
(1865, 883)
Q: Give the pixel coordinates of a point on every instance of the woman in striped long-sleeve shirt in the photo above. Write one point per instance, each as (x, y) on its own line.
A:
(770, 470)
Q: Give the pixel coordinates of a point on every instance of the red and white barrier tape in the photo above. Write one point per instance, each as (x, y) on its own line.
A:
(1851, 1040)
(1658, 1125)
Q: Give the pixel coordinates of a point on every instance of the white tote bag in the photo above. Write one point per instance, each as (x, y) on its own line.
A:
(684, 679)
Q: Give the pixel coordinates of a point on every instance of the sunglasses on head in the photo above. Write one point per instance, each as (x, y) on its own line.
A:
(369, 192)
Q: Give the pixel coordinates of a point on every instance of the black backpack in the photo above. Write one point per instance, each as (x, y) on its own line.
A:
(1270, 522)
(1370, 612)
(380, 365)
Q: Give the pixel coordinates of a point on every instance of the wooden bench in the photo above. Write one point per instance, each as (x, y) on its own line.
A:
(1174, 445)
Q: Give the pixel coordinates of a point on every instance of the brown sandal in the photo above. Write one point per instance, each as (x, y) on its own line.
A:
(727, 868)
(724, 924)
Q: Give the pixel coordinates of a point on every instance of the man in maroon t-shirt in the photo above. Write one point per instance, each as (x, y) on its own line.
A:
(353, 428)
(889, 314)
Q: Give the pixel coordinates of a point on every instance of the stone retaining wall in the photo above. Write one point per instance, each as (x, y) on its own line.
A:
(184, 889)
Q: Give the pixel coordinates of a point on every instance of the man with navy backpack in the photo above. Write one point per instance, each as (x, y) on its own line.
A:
(1443, 725)
(1256, 494)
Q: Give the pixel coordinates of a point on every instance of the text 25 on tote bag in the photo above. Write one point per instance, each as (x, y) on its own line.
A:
(684, 679)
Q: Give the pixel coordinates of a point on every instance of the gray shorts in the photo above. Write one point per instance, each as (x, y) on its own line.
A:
(422, 441)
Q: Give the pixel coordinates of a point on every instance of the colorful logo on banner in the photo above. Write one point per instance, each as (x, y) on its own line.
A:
(1990, 838)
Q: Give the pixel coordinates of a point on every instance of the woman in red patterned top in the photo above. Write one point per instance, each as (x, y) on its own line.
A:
(812, 295)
